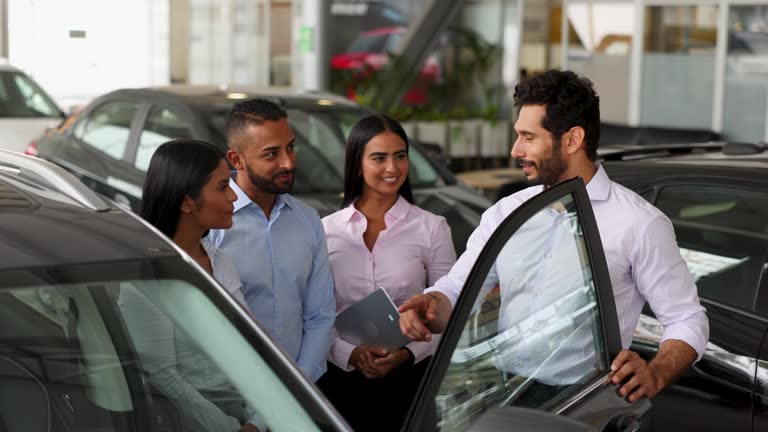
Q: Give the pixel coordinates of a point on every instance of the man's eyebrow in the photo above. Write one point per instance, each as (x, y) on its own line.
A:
(269, 149)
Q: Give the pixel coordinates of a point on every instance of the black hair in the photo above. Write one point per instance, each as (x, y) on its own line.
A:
(250, 112)
(569, 101)
(177, 169)
(362, 132)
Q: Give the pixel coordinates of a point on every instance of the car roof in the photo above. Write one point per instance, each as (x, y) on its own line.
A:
(6, 67)
(212, 95)
(45, 226)
(746, 162)
(702, 154)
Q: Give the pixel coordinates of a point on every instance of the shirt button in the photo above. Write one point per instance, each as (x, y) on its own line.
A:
(538, 292)
(547, 255)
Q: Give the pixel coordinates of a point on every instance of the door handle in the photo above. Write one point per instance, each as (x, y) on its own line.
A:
(628, 422)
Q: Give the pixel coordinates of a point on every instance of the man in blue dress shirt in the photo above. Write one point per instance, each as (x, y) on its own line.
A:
(277, 242)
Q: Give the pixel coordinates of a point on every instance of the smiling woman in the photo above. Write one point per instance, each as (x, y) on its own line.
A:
(379, 239)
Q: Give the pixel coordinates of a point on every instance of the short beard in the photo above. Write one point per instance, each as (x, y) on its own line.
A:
(549, 170)
(268, 185)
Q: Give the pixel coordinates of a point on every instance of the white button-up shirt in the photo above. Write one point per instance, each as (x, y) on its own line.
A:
(643, 260)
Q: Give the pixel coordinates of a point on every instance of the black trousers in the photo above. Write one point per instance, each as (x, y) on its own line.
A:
(373, 404)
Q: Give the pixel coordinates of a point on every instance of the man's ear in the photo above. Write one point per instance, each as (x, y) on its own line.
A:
(236, 159)
(573, 140)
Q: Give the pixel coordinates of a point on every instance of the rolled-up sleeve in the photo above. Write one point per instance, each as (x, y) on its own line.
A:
(451, 284)
(662, 277)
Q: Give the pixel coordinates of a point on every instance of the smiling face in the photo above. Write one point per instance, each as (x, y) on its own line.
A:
(268, 156)
(384, 165)
(214, 207)
(540, 157)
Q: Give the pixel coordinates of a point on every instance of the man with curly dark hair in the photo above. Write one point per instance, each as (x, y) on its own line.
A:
(558, 131)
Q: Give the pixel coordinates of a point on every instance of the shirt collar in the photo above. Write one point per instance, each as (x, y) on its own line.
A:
(599, 187)
(243, 199)
(209, 248)
(398, 211)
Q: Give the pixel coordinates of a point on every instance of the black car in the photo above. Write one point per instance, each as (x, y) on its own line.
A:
(111, 142)
(69, 357)
(716, 195)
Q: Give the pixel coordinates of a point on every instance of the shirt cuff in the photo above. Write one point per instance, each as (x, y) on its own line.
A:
(695, 336)
(452, 297)
(422, 350)
(341, 351)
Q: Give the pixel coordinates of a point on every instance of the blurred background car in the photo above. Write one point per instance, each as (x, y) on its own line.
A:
(110, 144)
(26, 110)
(371, 52)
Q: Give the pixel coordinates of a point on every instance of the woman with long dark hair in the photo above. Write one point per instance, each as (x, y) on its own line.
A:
(380, 239)
(186, 194)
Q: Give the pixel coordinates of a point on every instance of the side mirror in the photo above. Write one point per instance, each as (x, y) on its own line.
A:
(527, 420)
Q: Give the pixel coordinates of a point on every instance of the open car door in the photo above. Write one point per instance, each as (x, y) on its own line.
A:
(535, 326)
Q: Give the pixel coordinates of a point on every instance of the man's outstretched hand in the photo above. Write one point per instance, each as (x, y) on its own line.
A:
(424, 314)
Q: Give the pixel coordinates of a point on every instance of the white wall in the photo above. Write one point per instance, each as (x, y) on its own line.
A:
(126, 44)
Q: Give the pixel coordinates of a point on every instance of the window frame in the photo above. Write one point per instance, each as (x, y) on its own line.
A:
(149, 109)
(77, 129)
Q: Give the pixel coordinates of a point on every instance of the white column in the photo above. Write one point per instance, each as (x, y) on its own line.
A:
(636, 65)
(721, 53)
(310, 49)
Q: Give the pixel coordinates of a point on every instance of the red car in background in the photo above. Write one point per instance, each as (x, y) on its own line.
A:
(370, 52)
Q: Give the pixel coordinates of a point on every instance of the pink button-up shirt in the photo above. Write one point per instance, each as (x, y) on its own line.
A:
(412, 253)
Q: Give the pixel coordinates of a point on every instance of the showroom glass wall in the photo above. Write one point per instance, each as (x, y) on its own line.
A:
(674, 63)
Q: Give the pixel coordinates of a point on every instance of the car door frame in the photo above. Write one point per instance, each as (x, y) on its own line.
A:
(134, 176)
(420, 410)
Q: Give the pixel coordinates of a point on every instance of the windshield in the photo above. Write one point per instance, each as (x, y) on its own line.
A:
(320, 148)
(21, 97)
(137, 344)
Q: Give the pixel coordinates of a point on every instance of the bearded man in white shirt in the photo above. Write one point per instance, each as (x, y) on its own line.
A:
(558, 130)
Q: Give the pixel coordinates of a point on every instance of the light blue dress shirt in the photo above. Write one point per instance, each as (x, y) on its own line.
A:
(287, 281)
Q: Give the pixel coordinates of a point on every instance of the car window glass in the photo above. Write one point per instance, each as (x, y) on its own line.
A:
(534, 336)
(34, 99)
(322, 133)
(162, 125)
(108, 127)
(140, 354)
(723, 236)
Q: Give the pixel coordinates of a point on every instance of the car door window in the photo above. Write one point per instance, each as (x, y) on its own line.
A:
(108, 128)
(144, 354)
(162, 125)
(723, 236)
(537, 330)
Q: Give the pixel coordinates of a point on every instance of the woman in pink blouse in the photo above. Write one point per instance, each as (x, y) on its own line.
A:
(380, 239)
